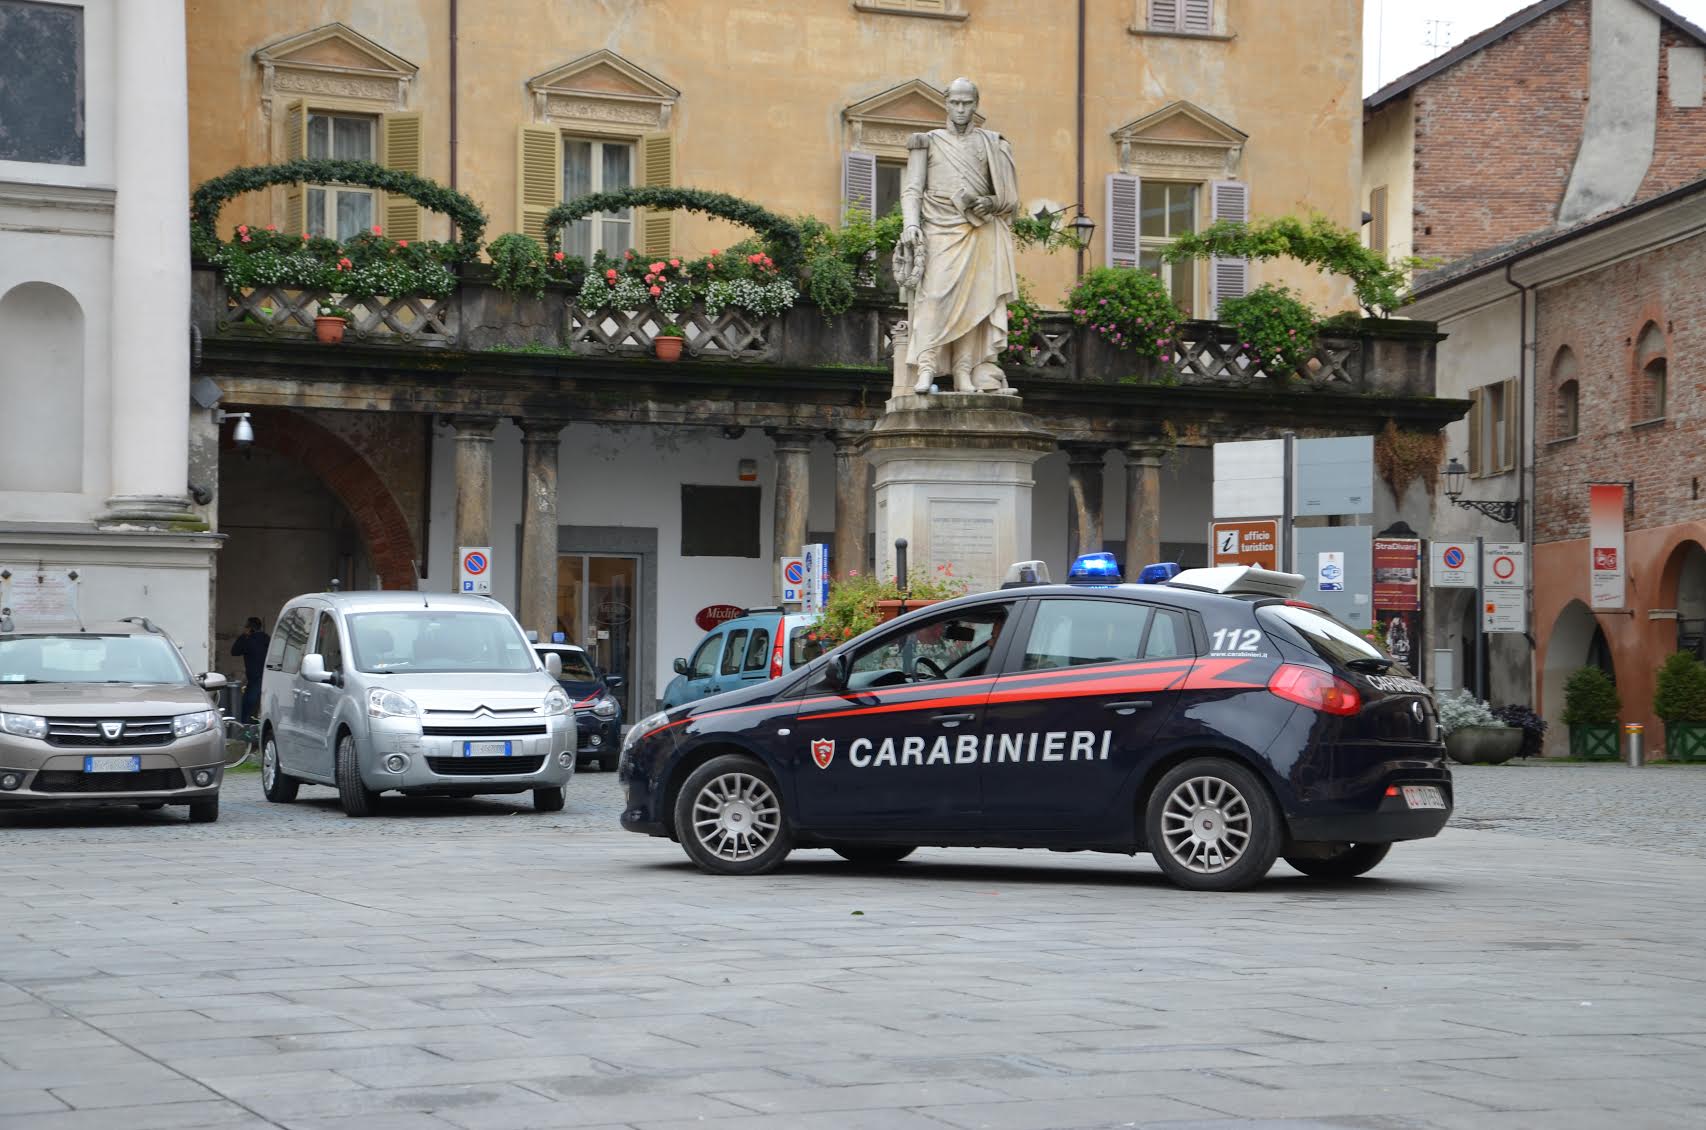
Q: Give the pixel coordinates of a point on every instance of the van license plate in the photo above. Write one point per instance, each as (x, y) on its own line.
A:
(486, 749)
(1423, 796)
(112, 764)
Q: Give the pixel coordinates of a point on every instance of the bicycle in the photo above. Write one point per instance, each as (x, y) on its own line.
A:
(248, 733)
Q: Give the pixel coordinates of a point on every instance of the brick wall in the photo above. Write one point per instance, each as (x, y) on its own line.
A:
(1679, 143)
(1600, 316)
(1496, 136)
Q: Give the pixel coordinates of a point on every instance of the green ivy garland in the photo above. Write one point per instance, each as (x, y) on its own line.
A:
(211, 195)
(782, 235)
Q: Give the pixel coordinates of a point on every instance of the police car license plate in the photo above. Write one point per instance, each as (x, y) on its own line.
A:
(485, 749)
(1423, 796)
(112, 764)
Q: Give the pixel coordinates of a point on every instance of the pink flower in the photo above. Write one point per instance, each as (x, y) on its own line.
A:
(272, 227)
(754, 258)
(655, 268)
(850, 572)
(245, 239)
(304, 237)
(610, 274)
(651, 278)
(242, 229)
(675, 262)
(375, 229)
(714, 251)
(402, 243)
(655, 291)
(627, 254)
(344, 264)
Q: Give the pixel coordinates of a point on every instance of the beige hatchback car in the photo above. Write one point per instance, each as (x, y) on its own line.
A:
(106, 714)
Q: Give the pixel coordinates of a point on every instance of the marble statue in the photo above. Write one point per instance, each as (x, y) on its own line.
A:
(956, 257)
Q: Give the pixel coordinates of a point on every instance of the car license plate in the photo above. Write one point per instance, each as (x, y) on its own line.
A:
(112, 764)
(485, 749)
(1423, 796)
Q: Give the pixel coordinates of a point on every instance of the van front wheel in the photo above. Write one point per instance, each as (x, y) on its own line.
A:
(356, 798)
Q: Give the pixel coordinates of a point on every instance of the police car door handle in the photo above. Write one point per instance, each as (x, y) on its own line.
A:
(1131, 706)
(952, 719)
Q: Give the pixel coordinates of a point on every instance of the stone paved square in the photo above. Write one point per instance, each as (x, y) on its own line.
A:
(473, 964)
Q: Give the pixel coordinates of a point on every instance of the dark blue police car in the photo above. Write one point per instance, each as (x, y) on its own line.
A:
(1212, 720)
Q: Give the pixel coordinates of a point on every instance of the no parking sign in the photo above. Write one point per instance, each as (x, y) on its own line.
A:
(476, 568)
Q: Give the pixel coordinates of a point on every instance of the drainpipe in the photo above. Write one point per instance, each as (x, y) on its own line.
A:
(453, 84)
(1081, 4)
(1525, 512)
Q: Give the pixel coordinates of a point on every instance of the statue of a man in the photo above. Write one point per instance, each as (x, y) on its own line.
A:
(956, 255)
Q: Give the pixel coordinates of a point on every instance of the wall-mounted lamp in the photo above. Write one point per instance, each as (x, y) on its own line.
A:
(1508, 511)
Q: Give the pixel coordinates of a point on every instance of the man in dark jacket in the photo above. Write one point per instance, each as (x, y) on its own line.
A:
(252, 647)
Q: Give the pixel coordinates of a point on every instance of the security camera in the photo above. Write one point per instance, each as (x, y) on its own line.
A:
(243, 435)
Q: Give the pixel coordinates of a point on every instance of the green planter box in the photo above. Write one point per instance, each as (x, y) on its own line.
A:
(1594, 741)
(1685, 741)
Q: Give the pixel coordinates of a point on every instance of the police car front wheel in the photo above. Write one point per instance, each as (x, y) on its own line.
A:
(729, 817)
(1212, 826)
(873, 855)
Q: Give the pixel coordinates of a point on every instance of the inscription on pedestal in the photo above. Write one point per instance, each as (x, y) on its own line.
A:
(963, 535)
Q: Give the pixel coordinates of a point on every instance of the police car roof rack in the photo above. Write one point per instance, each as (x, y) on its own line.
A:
(1239, 580)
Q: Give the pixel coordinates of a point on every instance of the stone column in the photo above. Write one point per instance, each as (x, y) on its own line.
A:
(150, 324)
(473, 483)
(1084, 494)
(852, 502)
(1142, 507)
(540, 440)
(793, 497)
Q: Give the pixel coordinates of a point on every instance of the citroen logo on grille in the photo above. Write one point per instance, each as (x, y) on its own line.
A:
(112, 731)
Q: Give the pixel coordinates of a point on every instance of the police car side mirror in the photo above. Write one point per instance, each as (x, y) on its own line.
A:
(840, 669)
(681, 666)
(612, 682)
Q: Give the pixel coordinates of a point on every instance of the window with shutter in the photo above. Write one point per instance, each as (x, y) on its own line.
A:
(598, 166)
(341, 211)
(1197, 17)
(1189, 17)
(1166, 211)
(859, 184)
(1493, 419)
(295, 148)
(1163, 15)
(1477, 466)
(538, 177)
(1377, 224)
(657, 169)
(1122, 243)
(1508, 425)
(403, 153)
(1228, 278)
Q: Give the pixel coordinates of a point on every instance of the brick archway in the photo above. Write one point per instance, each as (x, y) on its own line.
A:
(351, 478)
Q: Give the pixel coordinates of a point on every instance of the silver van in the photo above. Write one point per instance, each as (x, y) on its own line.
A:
(426, 694)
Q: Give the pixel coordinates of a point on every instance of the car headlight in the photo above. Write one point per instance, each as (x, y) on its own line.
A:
(606, 707)
(24, 725)
(188, 725)
(643, 727)
(556, 702)
(382, 703)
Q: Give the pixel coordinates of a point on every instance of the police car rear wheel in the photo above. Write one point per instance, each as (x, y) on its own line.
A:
(873, 855)
(1353, 860)
(1212, 826)
(729, 818)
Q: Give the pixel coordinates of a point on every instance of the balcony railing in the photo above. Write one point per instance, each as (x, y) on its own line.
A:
(1389, 357)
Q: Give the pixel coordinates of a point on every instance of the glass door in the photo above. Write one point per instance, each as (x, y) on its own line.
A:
(598, 608)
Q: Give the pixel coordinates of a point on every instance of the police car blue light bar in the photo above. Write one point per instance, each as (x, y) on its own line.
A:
(1094, 568)
(1159, 572)
(1234, 580)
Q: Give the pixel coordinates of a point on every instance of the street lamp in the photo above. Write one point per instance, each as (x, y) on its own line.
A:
(1508, 511)
(1085, 227)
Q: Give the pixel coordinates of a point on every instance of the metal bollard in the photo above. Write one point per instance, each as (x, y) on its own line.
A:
(900, 563)
(1634, 733)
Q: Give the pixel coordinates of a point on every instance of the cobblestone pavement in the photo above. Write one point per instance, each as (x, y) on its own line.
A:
(476, 965)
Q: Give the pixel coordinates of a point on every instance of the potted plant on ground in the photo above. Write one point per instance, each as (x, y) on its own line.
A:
(1680, 701)
(668, 342)
(1532, 725)
(330, 324)
(1473, 735)
(1591, 707)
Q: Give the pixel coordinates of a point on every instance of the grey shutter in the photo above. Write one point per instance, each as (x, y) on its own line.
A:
(859, 184)
(1477, 406)
(1199, 17)
(1513, 414)
(1163, 15)
(1228, 278)
(1377, 209)
(1121, 243)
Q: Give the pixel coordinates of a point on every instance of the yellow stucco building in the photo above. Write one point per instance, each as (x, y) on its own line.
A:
(1155, 115)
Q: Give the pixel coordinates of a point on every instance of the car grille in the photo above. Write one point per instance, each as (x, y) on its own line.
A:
(147, 781)
(471, 734)
(82, 732)
(483, 766)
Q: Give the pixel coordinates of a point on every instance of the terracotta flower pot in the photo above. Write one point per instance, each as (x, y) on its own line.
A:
(329, 330)
(888, 609)
(668, 348)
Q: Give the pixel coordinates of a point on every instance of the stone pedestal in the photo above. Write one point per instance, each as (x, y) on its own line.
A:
(953, 477)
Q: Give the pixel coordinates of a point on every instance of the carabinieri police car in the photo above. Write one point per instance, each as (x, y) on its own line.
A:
(1213, 720)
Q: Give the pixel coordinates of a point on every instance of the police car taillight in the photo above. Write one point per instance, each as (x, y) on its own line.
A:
(776, 651)
(1318, 690)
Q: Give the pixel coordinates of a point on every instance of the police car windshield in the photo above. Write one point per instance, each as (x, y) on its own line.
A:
(438, 641)
(88, 658)
(1326, 636)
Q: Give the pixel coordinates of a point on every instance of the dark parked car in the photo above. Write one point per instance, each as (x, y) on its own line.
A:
(1213, 721)
(598, 716)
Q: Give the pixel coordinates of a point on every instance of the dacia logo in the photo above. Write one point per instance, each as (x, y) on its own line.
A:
(112, 731)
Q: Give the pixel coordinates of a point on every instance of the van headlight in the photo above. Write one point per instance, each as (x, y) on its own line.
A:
(24, 725)
(606, 707)
(382, 703)
(188, 725)
(556, 702)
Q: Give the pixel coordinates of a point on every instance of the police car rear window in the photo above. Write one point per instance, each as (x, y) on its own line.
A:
(1327, 636)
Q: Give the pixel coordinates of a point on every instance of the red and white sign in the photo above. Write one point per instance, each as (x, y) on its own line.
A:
(712, 615)
(1607, 564)
(1453, 565)
(823, 752)
(1504, 588)
(1397, 574)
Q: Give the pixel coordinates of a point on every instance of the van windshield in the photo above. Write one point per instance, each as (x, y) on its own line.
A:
(90, 658)
(422, 640)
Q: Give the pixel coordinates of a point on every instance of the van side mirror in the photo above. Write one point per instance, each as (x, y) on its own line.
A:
(680, 666)
(314, 668)
(613, 682)
(554, 665)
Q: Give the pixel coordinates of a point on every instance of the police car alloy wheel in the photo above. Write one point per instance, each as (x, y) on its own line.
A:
(729, 818)
(873, 855)
(1212, 826)
(1348, 862)
(278, 787)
